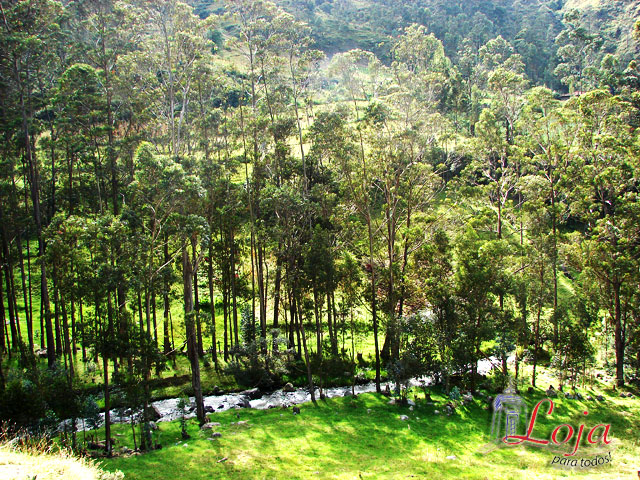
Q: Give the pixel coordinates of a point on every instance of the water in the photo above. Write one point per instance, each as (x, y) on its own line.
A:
(168, 409)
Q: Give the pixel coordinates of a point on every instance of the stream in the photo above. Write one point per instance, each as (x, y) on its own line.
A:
(167, 410)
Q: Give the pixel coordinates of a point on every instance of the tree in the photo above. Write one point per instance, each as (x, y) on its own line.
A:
(606, 200)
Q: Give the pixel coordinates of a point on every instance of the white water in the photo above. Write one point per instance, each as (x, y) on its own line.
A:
(168, 409)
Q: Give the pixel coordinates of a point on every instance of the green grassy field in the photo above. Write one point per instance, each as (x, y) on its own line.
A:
(365, 437)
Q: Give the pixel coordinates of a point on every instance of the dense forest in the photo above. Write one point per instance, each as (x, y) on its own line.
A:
(313, 191)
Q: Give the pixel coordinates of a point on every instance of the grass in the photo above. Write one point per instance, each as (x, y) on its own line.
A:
(365, 437)
(32, 460)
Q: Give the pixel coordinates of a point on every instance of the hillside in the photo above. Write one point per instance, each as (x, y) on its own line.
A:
(613, 19)
(530, 25)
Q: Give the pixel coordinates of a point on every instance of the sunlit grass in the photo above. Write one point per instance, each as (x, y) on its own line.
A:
(348, 438)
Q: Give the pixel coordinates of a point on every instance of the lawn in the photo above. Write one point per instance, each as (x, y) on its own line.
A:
(365, 437)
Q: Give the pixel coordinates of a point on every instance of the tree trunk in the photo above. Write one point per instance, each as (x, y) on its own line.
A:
(233, 289)
(537, 330)
(306, 354)
(165, 297)
(214, 345)
(374, 312)
(192, 347)
(197, 304)
(107, 407)
(619, 338)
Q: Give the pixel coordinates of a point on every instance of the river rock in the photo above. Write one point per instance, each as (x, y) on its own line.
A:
(296, 410)
(253, 393)
(288, 388)
(244, 402)
(153, 414)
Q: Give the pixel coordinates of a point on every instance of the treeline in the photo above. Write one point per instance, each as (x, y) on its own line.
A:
(150, 158)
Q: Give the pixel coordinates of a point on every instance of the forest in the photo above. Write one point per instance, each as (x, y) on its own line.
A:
(216, 196)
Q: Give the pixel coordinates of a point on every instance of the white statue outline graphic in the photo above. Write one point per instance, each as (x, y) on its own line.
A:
(513, 407)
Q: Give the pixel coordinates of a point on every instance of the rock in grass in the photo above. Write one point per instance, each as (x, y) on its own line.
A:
(209, 426)
(451, 457)
(296, 410)
(216, 435)
(404, 417)
(600, 398)
(437, 412)
(589, 398)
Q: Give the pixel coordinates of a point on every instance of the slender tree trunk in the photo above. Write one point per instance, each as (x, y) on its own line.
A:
(192, 347)
(537, 330)
(233, 289)
(197, 303)
(554, 264)
(214, 345)
(67, 340)
(13, 321)
(374, 308)
(276, 293)
(107, 406)
(618, 335)
(318, 322)
(165, 297)
(3, 319)
(332, 328)
(28, 318)
(306, 353)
